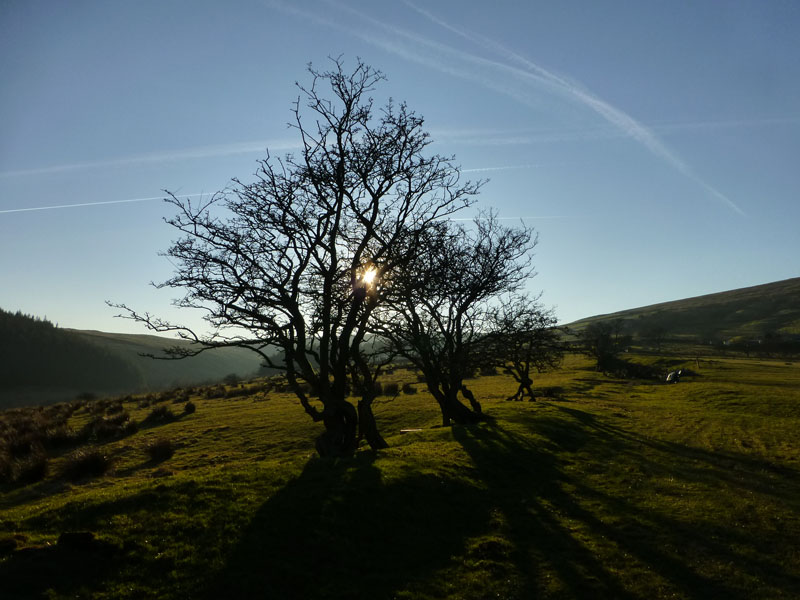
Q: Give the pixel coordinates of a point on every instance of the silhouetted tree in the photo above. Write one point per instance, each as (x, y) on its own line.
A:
(438, 308)
(656, 335)
(525, 338)
(296, 261)
(598, 341)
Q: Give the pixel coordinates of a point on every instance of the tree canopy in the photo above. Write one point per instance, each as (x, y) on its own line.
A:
(307, 264)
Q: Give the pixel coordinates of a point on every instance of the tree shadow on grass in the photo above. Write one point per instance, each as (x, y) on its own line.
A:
(30, 572)
(339, 531)
(587, 537)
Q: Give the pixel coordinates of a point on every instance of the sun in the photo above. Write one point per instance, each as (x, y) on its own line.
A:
(368, 277)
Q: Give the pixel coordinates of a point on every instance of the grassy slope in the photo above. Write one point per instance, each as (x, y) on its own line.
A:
(749, 312)
(611, 490)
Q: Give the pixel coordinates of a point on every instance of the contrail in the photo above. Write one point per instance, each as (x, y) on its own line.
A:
(195, 152)
(613, 115)
(413, 47)
(58, 206)
(504, 168)
(520, 218)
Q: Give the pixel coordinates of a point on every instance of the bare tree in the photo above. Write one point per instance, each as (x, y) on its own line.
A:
(603, 341)
(525, 338)
(437, 313)
(293, 265)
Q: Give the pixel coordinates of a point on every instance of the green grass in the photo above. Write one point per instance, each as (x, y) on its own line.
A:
(609, 489)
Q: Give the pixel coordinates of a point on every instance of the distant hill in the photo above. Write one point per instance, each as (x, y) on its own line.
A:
(41, 363)
(210, 366)
(757, 312)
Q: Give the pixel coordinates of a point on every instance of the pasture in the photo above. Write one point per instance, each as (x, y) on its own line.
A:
(603, 488)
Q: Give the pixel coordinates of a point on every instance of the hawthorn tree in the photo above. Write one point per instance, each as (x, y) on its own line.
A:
(293, 265)
(603, 341)
(525, 338)
(438, 308)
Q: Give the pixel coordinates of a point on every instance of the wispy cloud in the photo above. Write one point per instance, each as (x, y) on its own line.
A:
(512, 74)
(102, 203)
(522, 218)
(210, 151)
(613, 115)
(501, 168)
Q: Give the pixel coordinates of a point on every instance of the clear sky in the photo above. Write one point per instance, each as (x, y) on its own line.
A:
(655, 146)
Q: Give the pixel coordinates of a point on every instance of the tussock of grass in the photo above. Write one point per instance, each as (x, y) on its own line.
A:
(160, 414)
(86, 463)
(160, 449)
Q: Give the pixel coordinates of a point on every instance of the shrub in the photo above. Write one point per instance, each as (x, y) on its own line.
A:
(59, 436)
(553, 391)
(230, 379)
(180, 397)
(86, 462)
(159, 414)
(115, 408)
(160, 450)
(421, 377)
(391, 389)
(33, 468)
(189, 408)
(6, 468)
(409, 389)
(490, 370)
(106, 428)
(216, 391)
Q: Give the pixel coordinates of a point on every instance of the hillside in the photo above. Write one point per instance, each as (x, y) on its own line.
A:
(749, 313)
(210, 366)
(42, 363)
(37, 355)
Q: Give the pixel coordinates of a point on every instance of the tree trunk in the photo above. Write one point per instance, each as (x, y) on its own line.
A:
(367, 427)
(339, 438)
(467, 393)
(453, 410)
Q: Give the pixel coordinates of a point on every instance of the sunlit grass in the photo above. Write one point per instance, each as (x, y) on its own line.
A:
(604, 488)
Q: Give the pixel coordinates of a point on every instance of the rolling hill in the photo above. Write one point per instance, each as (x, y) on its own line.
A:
(746, 313)
(41, 363)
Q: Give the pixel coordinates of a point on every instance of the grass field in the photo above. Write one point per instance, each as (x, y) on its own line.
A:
(603, 489)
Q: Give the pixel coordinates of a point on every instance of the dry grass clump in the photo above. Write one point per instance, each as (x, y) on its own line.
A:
(86, 463)
(391, 389)
(160, 449)
(30, 468)
(116, 426)
(160, 414)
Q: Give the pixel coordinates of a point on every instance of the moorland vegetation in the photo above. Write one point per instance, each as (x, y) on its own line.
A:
(603, 487)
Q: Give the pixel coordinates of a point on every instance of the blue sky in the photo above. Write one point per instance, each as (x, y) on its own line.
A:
(653, 145)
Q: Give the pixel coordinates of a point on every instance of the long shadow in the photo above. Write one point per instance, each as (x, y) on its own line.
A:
(523, 481)
(30, 572)
(339, 531)
(529, 485)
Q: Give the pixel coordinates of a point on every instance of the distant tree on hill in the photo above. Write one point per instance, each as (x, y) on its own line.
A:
(300, 259)
(599, 341)
(526, 339)
(656, 335)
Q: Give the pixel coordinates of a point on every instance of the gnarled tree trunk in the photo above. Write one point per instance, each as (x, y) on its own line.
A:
(367, 427)
(453, 410)
(341, 424)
